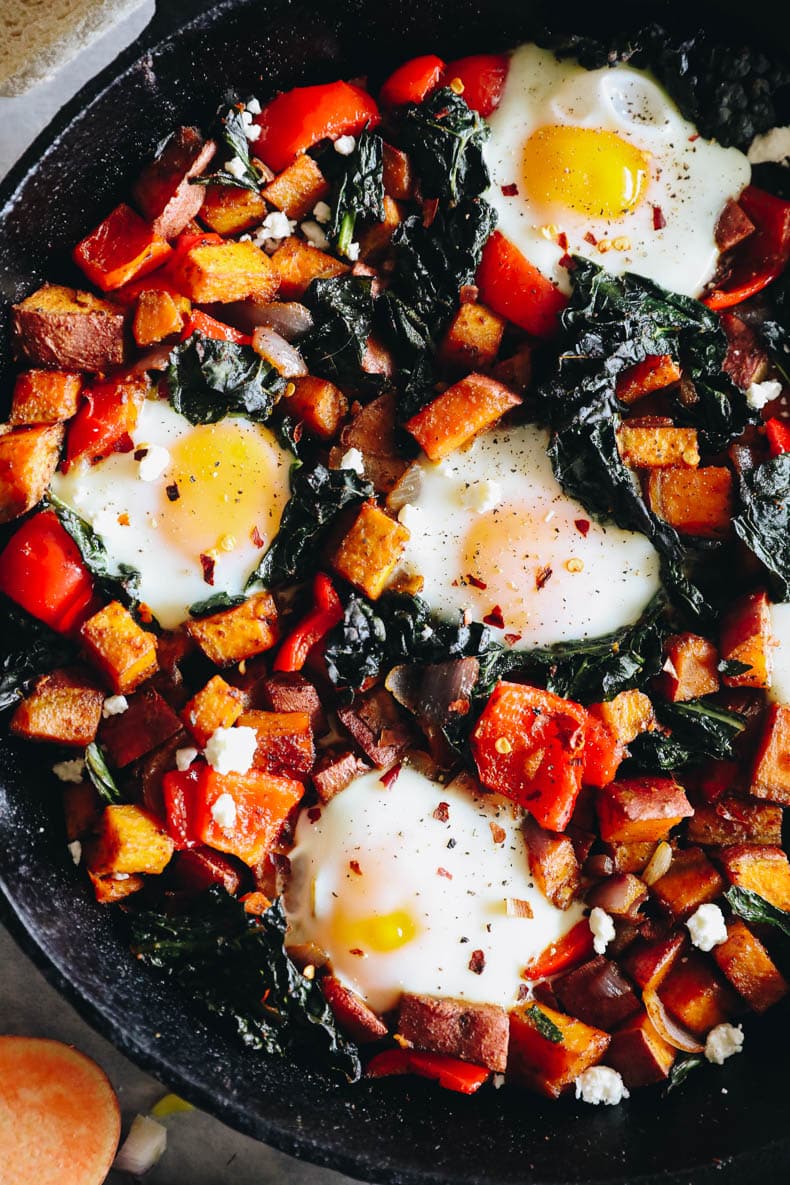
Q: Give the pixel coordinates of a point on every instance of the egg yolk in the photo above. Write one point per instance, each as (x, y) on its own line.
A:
(225, 481)
(586, 170)
(502, 562)
(377, 932)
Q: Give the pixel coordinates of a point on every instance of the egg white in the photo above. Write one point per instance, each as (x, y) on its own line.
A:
(779, 691)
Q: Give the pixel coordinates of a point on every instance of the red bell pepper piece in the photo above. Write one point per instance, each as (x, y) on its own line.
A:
(449, 1072)
(299, 118)
(513, 287)
(763, 256)
(483, 76)
(105, 421)
(42, 570)
(327, 612)
(413, 81)
(570, 950)
(602, 753)
(199, 322)
(778, 433)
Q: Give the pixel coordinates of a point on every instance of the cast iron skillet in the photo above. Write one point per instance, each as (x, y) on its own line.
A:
(722, 1126)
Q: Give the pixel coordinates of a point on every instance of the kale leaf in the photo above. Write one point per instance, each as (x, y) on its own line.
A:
(342, 309)
(98, 771)
(208, 380)
(118, 581)
(28, 648)
(215, 604)
(545, 1025)
(444, 138)
(409, 339)
(231, 132)
(753, 908)
(357, 187)
(763, 522)
(697, 729)
(318, 496)
(681, 1070)
(236, 967)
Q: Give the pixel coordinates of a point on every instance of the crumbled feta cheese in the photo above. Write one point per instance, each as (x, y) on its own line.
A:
(707, 927)
(153, 464)
(69, 771)
(275, 227)
(75, 850)
(498, 1081)
(409, 517)
(352, 252)
(770, 146)
(254, 107)
(246, 117)
(602, 928)
(601, 1084)
(322, 212)
(235, 166)
(252, 132)
(231, 750)
(315, 235)
(114, 705)
(345, 145)
(722, 1042)
(185, 757)
(758, 394)
(480, 496)
(223, 812)
(353, 459)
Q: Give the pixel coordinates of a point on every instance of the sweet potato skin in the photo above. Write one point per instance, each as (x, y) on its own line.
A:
(771, 773)
(745, 962)
(148, 722)
(537, 1062)
(285, 741)
(45, 396)
(162, 192)
(68, 329)
(372, 430)
(28, 458)
(459, 414)
(735, 820)
(64, 707)
(640, 809)
(369, 552)
(235, 634)
(352, 1014)
(690, 668)
(476, 1033)
(746, 637)
(694, 501)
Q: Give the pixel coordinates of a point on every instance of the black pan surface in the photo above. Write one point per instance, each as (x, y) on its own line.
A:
(723, 1126)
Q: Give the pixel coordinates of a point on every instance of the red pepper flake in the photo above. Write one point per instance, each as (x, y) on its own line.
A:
(543, 577)
(582, 525)
(208, 564)
(124, 444)
(659, 221)
(495, 618)
(355, 950)
(173, 492)
(354, 866)
(498, 834)
(474, 582)
(314, 814)
(448, 876)
(391, 776)
(297, 432)
(568, 262)
(510, 190)
(694, 137)
(442, 812)
(468, 294)
(562, 241)
(511, 639)
(591, 239)
(430, 207)
(257, 538)
(477, 962)
(145, 613)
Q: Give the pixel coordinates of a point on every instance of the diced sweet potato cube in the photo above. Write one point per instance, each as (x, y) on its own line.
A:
(298, 264)
(151, 768)
(547, 1066)
(691, 881)
(28, 458)
(163, 193)
(217, 705)
(262, 803)
(319, 404)
(733, 227)
(122, 248)
(763, 868)
(128, 840)
(298, 188)
(290, 691)
(552, 864)
(370, 551)
(771, 775)
(746, 637)
(81, 809)
(375, 240)
(285, 741)
(158, 315)
(647, 960)
(735, 820)
(236, 634)
(658, 448)
(596, 993)
(694, 501)
(459, 414)
(630, 857)
(372, 430)
(378, 726)
(64, 707)
(628, 714)
(336, 769)
(691, 668)
(224, 272)
(639, 809)
(110, 889)
(695, 993)
(122, 650)
(148, 721)
(620, 895)
(398, 174)
(653, 374)
(352, 1014)
(472, 339)
(229, 210)
(197, 869)
(476, 1033)
(745, 962)
(68, 329)
(45, 396)
(746, 360)
(639, 1053)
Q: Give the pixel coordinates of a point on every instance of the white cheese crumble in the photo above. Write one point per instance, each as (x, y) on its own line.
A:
(601, 1084)
(75, 850)
(322, 212)
(252, 132)
(114, 705)
(69, 771)
(275, 227)
(722, 1042)
(352, 252)
(353, 459)
(707, 927)
(315, 235)
(153, 464)
(223, 812)
(345, 145)
(480, 496)
(254, 107)
(772, 146)
(758, 394)
(185, 757)
(602, 928)
(231, 750)
(235, 166)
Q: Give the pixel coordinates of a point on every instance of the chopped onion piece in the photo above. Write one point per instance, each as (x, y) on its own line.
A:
(673, 1033)
(406, 490)
(142, 1148)
(288, 317)
(170, 1104)
(516, 908)
(284, 357)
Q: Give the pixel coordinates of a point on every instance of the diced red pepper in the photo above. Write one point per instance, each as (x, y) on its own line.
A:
(602, 753)
(121, 248)
(42, 570)
(450, 1072)
(763, 256)
(199, 322)
(413, 81)
(513, 287)
(299, 118)
(483, 76)
(105, 421)
(327, 612)
(570, 950)
(778, 433)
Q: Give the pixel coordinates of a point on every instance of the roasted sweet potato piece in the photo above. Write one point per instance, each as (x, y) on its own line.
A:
(81, 809)
(462, 412)
(217, 705)
(545, 1065)
(290, 691)
(746, 361)
(746, 637)
(639, 1053)
(297, 264)
(653, 374)
(229, 210)
(152, 766)
(690, 882)
(158, 315)
(336, 769)
(377, 725)
(735, 820)
(596, 993)
(375, 240)
(398, 174)
(472, 339)
(68, 329)
(162, 192)
(128, 840)
(197, 869)
(122, 248)
(771, 774)
(648, 960)
(298, 189)
(235, 634)
(285, 741)
(476, 1033)
(516, 371)
(695, 993)
(224, 272)
(733, 227)
(64, 707)
(745, 962)
(370, 550)
(45, 396)
(628, 714)
(372, 430)
(694, 501)
(147, 722)
(110, 889)
(645, 447)
(763, 868)
(318, 404)
(620, 895)
(352, 1014)
(639, 809)
(28, 458)
(120, 648)
(629, 857)
(552, 864)
(691, 668)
